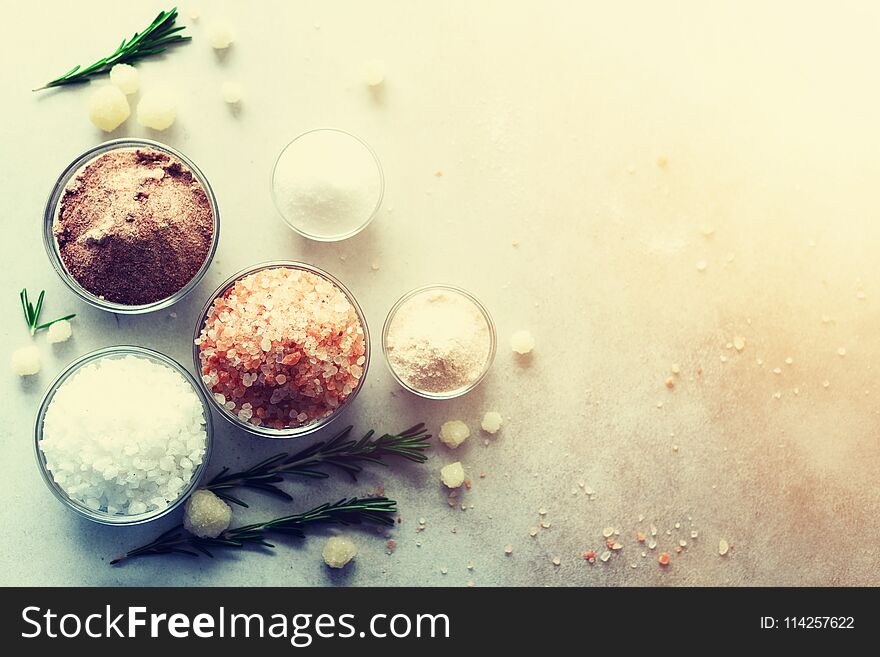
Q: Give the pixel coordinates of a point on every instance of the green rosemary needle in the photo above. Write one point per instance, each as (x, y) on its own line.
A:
(160, 34)
(340, 452)
(351, 511)
(32, 313)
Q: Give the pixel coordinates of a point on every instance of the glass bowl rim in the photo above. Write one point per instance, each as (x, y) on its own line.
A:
(102, 517)
(51, 210)
(266, 432)
(341, 236)
(490, 323)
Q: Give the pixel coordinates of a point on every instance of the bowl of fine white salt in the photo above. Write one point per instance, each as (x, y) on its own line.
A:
(123, 435)
(327, 184)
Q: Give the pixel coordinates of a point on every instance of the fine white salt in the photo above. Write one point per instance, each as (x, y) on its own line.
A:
(327, 184)
(124, 435)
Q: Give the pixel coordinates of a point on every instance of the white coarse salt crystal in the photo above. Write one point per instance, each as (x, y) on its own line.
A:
(491, 422)
(157, 110)
(117, 430)
(59, 332)
(327, 183)
(374, 72)
(723, 547)
(206, 516)
(220, 35)
(454, 433)
(522, 342)
(126, 78)
(452, 475)
(438, 341)
(701, 265)
(338, 551)
(108, 108)
(232, 92)
(25, 361)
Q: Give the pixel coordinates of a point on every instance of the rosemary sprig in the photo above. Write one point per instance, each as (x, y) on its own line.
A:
(32, 313)
(348, 455)
(155, 39)
(351, 511)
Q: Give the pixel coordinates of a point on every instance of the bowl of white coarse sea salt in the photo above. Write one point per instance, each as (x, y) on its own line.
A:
(123, 435)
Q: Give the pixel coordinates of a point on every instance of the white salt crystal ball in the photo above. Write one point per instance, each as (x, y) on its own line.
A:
(231, 92)
(491, 422)
(452, 475)
(220, 35)
(374, 72)
(338, 551)
(59, 332)
(25, 361)
(522, 342)
(207, 516)
(454, 433)
(108, 108)
(157, 110)
(126, 78)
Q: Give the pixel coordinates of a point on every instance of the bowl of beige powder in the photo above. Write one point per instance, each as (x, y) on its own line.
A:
(131, 226)
(439, 341)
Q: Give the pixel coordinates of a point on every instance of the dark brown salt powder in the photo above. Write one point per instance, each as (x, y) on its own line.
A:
(134, 226)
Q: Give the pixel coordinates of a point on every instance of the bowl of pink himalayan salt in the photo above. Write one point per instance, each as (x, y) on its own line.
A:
(281, 348)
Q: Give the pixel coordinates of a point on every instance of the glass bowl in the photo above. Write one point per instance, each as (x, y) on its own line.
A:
(54, 201)
(292, 432)
(458, 392)
(336, 236)
(103, 517)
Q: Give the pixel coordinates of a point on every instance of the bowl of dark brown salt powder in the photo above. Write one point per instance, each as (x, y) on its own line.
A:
(131, 226)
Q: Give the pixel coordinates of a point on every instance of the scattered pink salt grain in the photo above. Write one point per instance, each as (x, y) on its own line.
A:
(282, 347)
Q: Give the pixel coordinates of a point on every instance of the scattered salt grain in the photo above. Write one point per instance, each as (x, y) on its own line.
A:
(125, 77)
(374, 72)
(220, 35)
(556, 561)
(522, 342)
(701, 265)
(452, 475)
(59, 332)
(508, 550)
(206, 515)
(841, 351)
(491, 422)
(108, 108)
(338, 551)
(157, 110)
(739, 343)
(453, 433)
(25, 361)
(231, 92)
(723, 547)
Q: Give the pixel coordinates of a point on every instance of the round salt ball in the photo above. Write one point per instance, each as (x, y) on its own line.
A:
(522, 342)
(25, 361)
(220, 35)
(454, 433)
(231, 92)
(374, 72)
(207, 516)
(59, 332)
(126, 78)
(108, 108)
(491, 422)
(338, 551)
(157, 110)
(452, 475)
